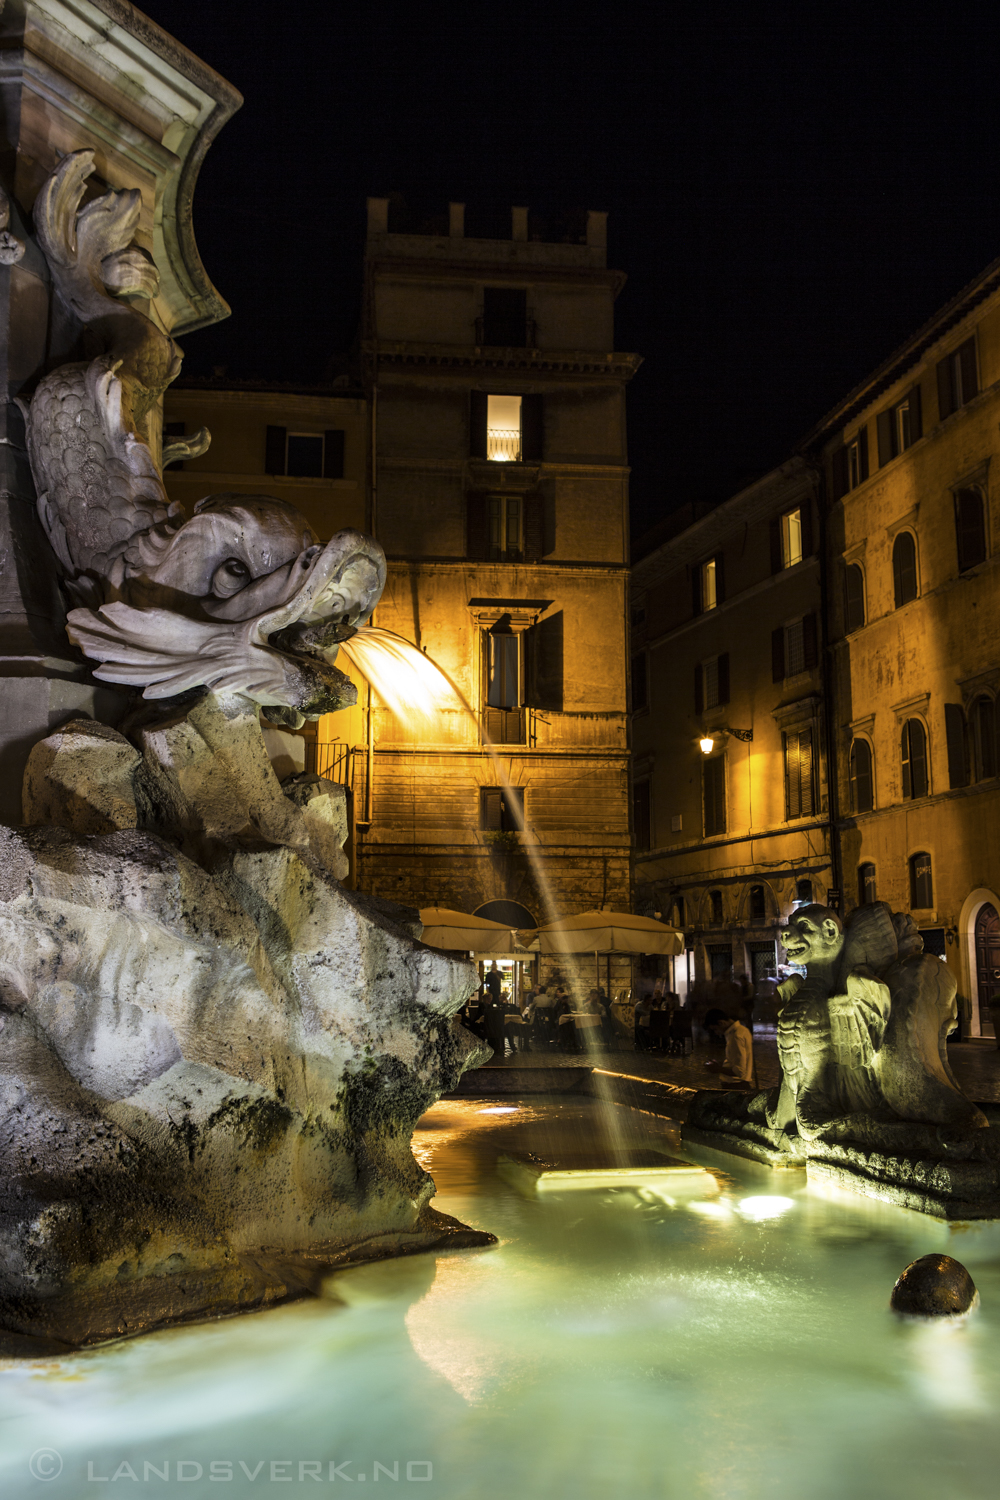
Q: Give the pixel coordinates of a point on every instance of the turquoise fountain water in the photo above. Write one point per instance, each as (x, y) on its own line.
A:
(736, 1345)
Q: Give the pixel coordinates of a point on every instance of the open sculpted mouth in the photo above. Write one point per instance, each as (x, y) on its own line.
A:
(796, 950)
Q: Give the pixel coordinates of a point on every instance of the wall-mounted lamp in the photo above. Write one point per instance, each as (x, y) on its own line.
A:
(708, 742)
(952, 934)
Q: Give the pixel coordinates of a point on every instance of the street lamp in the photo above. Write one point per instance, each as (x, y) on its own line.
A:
(707, 743)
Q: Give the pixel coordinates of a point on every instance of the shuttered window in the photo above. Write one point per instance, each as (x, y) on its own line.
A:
(958, 750)
(798, 773)
(503, 669)
(913, 744)
(854, 598)
(714, 793)
(899, 426)
(970, 529)
(711, 683)
(904, 568)
(985, 720)
(957, 382)
(501, 809)
(862, 782)
(921, 882)
(798, 649)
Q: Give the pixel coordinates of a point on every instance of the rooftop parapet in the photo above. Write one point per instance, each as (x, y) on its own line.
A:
(523, 247)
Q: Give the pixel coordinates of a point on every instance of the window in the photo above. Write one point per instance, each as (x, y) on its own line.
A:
(956, 378)
(958, 745)
(921, 884)
(715, 906)
(640, 682)
(506, 514)
(305, 455)
(850, 464)
(862, 782)
(904, 568)
(758, 904)
(794, 648)
(854, 598)
(984, 723)
(899, 426)
(914, 754)
(970, 529)
(501, 809)
(720, 960)
(678, 911)
(506, 428)
(791, 537)
(798, 749)
(762, 961)
(866, 885)
(711, 683)
(641, 822)
(804, 892)
(714, 791)
(504, 721)
(708, 590)
(504, 324)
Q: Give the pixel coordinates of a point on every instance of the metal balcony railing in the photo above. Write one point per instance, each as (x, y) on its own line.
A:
(503, 444)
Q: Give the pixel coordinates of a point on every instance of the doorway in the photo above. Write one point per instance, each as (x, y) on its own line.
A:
(987, 940)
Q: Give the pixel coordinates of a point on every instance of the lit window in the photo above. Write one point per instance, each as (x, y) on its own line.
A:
(791, 538)
(503, 428)
(506, 523)
(709, 596)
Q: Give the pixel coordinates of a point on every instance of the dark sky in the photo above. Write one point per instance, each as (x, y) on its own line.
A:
(792, 189)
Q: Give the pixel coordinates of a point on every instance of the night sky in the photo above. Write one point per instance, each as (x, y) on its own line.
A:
(792, 189)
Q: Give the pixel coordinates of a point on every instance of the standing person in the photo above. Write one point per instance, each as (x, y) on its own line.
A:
(494, 981)
(738, 1063)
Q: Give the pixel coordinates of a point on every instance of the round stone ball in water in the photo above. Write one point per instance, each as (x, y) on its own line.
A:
(935, 1286)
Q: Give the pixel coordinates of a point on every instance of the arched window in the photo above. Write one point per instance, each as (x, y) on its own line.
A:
(854, 598)
(970, 529)
(984, 721)
(715, 898)
(758, 903)
(862, 782)
(804, 891)
(866, 884)
(921, 883)
(904, 568)
(914, 751)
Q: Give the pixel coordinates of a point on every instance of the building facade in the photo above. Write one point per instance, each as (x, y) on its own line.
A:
(913, 551)
(729, 729)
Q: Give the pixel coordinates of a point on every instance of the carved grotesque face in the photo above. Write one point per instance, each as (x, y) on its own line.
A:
(812, 938)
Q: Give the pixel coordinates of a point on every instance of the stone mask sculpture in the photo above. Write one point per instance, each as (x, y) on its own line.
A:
(240, 597)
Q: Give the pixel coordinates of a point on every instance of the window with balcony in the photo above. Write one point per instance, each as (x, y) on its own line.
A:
(504, 324)
(921, 882)
(866, 885)
(904, 568)
(505, 427)
(899, 426)
(501, 809)
(798, 754)
(305, 455)
(970, 528)
(957, 382)
(913, 750)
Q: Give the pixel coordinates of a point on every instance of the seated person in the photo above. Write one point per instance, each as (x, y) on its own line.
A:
(738, 1064)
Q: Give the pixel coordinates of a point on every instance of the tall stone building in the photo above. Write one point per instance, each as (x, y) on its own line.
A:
(731, 812)
(913, 548)
(500, 494)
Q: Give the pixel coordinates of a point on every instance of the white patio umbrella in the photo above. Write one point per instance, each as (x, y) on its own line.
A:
(606, 932)
(458, 929)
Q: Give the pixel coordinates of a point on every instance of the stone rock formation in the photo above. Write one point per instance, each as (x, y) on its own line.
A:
(867, 1096)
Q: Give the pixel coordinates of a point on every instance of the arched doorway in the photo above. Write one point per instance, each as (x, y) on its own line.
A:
(987, 938)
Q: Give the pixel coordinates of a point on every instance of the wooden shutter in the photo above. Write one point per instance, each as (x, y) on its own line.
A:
(477, 526)
(790, 743)
(491, 808)
(916, 415)
(886, 437)
(967, 359)
(810, 653)
(970, 529)
(915, 759)
(945, 399)
(722, 668)
(333, 453)
(806, 523)
(478, 408)
(544, 650)
(533, 523)
(806, 773)
(720, 579)
(854, 598)
(778, 654)
(696, 589)
(274, 450)
(958, 756)
(862, 441)
(777, 561)
(840, 474)
(904, 741)
(532, 429)
(699, 689)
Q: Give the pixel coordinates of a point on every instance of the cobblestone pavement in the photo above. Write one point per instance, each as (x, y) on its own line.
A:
(976, 1065)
